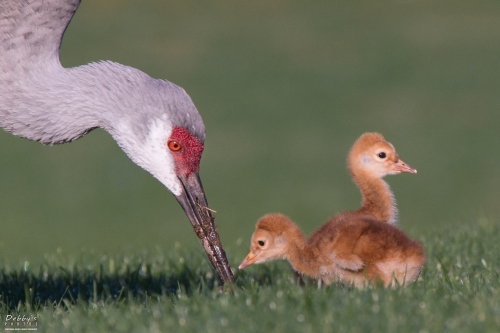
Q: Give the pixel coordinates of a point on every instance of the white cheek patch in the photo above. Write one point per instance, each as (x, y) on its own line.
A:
(371, 165)
(365, 159)
(152, 154)
(279, 241)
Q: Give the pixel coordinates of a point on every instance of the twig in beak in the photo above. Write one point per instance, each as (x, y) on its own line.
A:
(207, 208)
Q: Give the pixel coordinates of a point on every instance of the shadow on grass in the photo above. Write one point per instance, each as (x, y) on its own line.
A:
(52, 288)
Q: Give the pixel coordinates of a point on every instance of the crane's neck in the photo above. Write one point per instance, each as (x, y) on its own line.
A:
(300, 256)
(52, 104)
(378, 200)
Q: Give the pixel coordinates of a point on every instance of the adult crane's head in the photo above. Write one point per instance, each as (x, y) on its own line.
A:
(165, 136)
(161, 130)
(153, 121)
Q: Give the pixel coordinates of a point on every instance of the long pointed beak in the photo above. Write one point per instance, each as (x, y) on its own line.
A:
(194, 202)
(249, 260)
(401, 166)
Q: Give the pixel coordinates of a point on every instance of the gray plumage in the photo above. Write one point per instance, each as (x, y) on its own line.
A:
(42, 101)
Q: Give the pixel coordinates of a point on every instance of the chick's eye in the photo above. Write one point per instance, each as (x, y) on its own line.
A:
(382, 155)
(174, 145)
(261, 243)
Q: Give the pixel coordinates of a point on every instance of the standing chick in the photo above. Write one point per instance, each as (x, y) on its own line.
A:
(370, 159)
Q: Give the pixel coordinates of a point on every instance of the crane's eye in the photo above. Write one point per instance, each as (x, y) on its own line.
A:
(261, 243)
(382, 155)
(174, 145)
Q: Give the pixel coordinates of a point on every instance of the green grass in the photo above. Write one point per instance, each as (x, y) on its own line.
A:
(173, 290)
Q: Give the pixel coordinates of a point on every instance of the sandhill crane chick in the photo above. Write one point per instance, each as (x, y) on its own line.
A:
(357, 251)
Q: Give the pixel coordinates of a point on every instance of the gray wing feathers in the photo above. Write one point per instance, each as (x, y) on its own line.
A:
(40, 100)
(31, 30)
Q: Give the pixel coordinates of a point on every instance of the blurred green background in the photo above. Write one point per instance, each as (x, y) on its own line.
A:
(284, 88)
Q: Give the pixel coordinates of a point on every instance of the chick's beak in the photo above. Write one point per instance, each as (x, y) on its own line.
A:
(194, 202)
(401, 166)
(249, 260)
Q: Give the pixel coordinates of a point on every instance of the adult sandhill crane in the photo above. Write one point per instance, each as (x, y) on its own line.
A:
(153, 121)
